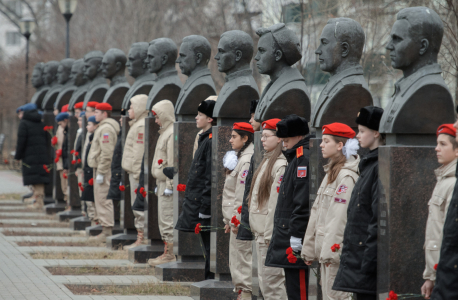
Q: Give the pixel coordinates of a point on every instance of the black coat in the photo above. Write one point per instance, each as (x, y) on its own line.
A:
(116, 171)
(446, 287)
(32, 149)
(358, 262)
(293, 209)
(197, 198)
(244, 233)
(139, 203)
(88, 193)
(65, 161)
(78, 148)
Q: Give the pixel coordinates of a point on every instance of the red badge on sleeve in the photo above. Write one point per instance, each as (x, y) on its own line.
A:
(244, 174)
(278, 189)
(301, 172)
(300, 151)
(140, 136)
(342, 189)
(340, 200)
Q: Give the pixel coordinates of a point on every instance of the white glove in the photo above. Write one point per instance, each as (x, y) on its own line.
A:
(168, 192)
(296, 244)
(155, 190)
(230, 160)
(202, 216)
(99, 179)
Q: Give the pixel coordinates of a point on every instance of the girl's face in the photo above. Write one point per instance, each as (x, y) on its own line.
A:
(329, 147)
(91, 127)
(367, 138)
(269, 140)
(237, 142)
(80, 122)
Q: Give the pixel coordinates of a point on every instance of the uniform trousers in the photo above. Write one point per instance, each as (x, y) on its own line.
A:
(271, 280)
(165, 212)
(38, 192)
(240, 262)
(139, 221)
(328, 275)
(103, 206)
(91, 211)
(297, 283)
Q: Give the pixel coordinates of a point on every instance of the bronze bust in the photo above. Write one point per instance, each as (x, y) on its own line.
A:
(80, 82)
(50, 79)
(93, 73)
(113, 68)
(64, 77)
(39, 84)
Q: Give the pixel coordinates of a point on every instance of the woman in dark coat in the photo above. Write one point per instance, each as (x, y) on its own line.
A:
(358, 263)
(33, 149)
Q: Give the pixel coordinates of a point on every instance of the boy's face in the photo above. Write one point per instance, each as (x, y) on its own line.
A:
(290, 142)
(77, 112)
(256, 125)
(202, 120)
(444, 149)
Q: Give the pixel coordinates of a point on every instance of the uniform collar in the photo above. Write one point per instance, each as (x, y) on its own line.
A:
(446, 171)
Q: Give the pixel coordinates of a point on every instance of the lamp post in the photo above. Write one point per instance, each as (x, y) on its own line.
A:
(67, 8)
(27, 26)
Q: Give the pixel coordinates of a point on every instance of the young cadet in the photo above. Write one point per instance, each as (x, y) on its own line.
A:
(133, 154)
(237, 163)
(329, 212)
(446, 151)
(100, 156)
(164, 113)
(447, 269)
(262, 202)
(292, 211)
(87, 194)
(358, 264)
(197, 202)
(77, 146)
(62, 164)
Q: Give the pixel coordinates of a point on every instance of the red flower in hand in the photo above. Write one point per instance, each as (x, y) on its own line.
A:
(135, 191)
(392, 296)
(435, 267)
(56, 160)
(59, 152)
(73, 162)
(65, 176)
(144, 194)
(46, 168)
(50, 127)
(122, 188)
(142, 189)
(239, 210)
(45, 128)
(54, 140)
(79, 160)
(73, 151)
(198, 229)
(160, 161)
(335, 248)
(292, 259)
(91, 181)
(77, 153)
(181, 187)
(80, 184)
(81, 188)
(289, 250)
(235, 221)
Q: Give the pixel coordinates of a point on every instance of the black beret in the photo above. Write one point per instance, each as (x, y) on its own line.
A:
(291, 126)
(253, 105)
(370, 117)
(169, 172)
(206, 107)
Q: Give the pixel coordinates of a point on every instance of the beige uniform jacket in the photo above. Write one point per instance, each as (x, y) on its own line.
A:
(262, 218)
(60, 141)
(103, 144)
(164, 147)
(134, 148)
(328, 217)
(234, 186)
(438, 206)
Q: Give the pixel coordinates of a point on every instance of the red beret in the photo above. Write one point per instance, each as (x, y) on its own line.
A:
(64, 108)
(104, 106)
(154, 113)
(270, 124)
(446, 129)
(339, 129)
(92, 104)
(243, 126)
(78, 105)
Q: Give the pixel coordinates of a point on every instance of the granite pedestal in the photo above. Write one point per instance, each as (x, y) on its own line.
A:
(97, 229)
(80, 223)
(142, 253)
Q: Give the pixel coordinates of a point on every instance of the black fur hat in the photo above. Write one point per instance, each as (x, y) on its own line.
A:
(370, 117)
(253, 105)
(291, 126)
(206, 107)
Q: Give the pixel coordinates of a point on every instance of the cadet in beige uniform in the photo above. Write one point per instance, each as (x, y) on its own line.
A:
(329, 212)
(132, 156)
(262, 202)
(447, 151)
(60, 163)
(78, 145)
(99, 158)
(164, 113)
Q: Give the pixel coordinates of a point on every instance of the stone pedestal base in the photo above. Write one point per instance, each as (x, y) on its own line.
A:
(80, 223)
(142, 253)
(116, 242)
(97, 229)
(213, 289)
(47, 200)
(28, 195)
(54, 208)
(181, 271)
(67, 215)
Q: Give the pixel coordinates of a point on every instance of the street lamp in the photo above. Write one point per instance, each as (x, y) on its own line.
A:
(27, 26)
(67, 8)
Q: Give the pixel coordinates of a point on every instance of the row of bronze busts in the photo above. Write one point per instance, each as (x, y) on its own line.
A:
(415, 41)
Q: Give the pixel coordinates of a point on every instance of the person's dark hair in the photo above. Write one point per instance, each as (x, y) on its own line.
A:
(199, 44)
(266, 179)
(336, 164)
(214, 121)
(250, 140)
(350, 31)
(240, 40)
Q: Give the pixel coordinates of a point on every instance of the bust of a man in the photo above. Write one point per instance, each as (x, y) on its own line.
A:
(80, 82)
(193, 58)
(39, 84)
(93, 73)
(64, 71)
(421, 100)
(235, 52)
(50, 79)
(113, 68)
(286, 93)
(339, 53)
(162, 53)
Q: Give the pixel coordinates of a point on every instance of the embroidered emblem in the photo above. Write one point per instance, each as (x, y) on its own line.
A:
(342, 189)
(340, 200)
(264, 126)
(441, 129)
(140, 136)
(106, 137)
(323, 130)
(278, 189)
(301, 172)
(242, 181)
(281, 178)
(300, 151)
(244, 174)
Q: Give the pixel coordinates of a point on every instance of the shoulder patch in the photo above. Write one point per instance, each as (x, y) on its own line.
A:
(301, 172)
(340, 200)
(342, 189)
(281, 178)
(210, 136)
(278, 189)
(140, 136)
(300, 151)
(244, 174)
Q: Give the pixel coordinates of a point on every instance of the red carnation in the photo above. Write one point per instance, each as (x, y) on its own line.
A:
(235, 221)
(73, 162)
(144, 194)
(45, 128)
(77, 153)
(135, 191)
(289, 250)
(6, 161)
(54, 140)
(142, 189)
(239, 210)
(335, 248)
(65, 176)
(91, 181)
(392, 296)
(435, 267)
(198, 229)
(73, 151)
(181, 187)
(56, 160)
(46, 168)
(79, 160)
(59, 152)
(81, 188)
(80, 184)
(50, 127)
(122, 188)
(292, 258)
(160, 161)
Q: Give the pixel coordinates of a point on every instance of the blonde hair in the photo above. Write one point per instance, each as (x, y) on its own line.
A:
(336, 163)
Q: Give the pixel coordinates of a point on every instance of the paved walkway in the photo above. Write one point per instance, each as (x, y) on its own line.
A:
(11, 183)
